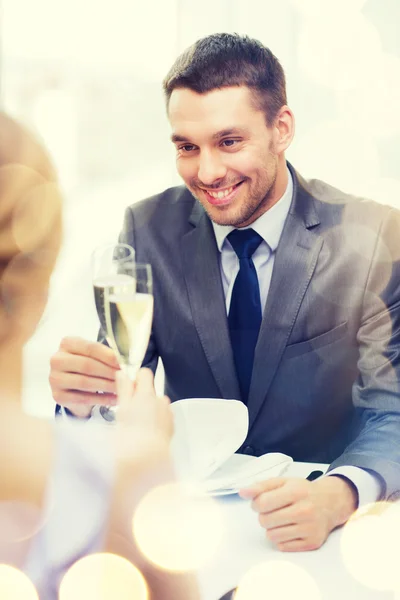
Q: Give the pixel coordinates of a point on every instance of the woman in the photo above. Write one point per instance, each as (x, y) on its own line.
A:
(105, 471)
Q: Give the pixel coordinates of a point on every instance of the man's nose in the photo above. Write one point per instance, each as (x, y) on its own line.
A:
(211, 168)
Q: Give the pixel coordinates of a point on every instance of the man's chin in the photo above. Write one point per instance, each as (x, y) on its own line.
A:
(223, 217)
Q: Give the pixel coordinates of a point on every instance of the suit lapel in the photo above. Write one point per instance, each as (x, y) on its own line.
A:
(294, 265)
(202, 274)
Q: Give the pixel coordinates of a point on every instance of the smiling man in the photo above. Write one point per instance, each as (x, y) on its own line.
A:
(230, 161)
(270, 289)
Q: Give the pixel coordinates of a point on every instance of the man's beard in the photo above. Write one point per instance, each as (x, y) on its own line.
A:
(251, 207)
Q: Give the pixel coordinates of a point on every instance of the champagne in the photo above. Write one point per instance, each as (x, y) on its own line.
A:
(130, 319)
(112, 284)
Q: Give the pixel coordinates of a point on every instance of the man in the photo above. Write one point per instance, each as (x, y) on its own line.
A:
(296, 312)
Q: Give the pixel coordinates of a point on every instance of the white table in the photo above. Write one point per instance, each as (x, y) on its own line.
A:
(245, 545)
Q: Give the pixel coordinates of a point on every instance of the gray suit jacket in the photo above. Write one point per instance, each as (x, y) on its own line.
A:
(325, 384)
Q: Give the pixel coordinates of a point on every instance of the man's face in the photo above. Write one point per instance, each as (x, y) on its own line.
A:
(226, 154)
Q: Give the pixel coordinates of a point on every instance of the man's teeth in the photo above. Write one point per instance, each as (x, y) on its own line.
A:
(221, 194)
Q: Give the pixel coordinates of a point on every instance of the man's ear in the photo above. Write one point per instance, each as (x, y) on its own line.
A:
(284, 129)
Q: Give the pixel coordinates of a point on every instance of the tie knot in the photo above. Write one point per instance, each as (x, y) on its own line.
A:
(244, 242)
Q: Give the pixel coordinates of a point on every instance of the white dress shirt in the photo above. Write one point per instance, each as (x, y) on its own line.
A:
(270, 226)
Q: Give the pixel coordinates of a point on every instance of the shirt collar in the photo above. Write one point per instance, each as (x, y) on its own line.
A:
(269, 226)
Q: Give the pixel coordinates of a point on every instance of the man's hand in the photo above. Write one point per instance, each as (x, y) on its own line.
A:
(79, 370)
(298, 514)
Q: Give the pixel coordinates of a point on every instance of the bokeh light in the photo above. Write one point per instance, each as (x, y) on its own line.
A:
(387, 251)
(369, 544)
(15, 585)
(43, 200)
(342, 60)
(103, 576)
(19, 522)
(277, 579)
(337, 154)
(177, 528)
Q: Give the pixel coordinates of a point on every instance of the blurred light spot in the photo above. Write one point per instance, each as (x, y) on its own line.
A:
(177, 529)
(40, 205)
(16, 181)
(369, 546)
(375, 337)
(103, 576)
(19, 521)
(386, 224)
(15, 585)
(343, 59)
(277, 579)
(374, 103)
(337, 154)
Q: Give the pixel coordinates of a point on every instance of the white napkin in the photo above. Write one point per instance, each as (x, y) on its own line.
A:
(207, 433)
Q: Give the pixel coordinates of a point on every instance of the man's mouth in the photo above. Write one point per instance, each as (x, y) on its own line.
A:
(222, 197)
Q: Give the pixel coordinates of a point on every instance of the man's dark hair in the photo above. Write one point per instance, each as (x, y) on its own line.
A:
(224, 59)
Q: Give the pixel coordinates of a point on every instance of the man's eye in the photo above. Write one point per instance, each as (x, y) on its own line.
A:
(229, 143)
(186, 148)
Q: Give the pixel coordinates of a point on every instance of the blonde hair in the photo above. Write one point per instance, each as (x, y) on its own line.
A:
(30, 226)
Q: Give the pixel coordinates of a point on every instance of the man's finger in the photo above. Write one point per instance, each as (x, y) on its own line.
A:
(284, 516)
(81, 383)
(95, 350)
(287, 533)
(262, 487)
(301, 545)
(70, 397)
(63, 362)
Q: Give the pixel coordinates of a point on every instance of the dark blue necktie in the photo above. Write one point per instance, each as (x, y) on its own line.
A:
(245, 309)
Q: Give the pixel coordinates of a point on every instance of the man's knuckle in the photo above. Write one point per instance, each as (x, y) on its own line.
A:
(282, 547)
(298, 493)
(57, 396)
(91, 349)
(263, 520)
(55, 361)
(87, 366)
(54, 380)
(313, 545)
(81, 382)
(66, 343)
(305, 512)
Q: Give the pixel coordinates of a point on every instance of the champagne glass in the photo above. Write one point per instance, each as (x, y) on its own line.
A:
(109, 262)
(129, 315)
(124, 301)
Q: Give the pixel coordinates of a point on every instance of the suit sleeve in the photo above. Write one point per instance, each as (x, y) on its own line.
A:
(376, 391)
